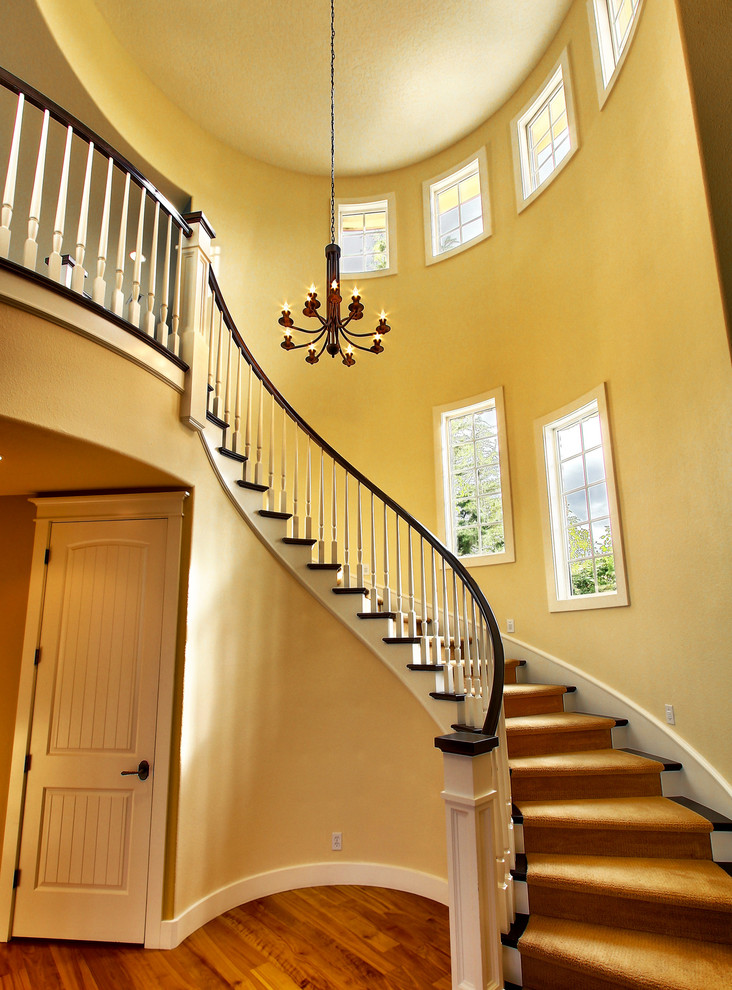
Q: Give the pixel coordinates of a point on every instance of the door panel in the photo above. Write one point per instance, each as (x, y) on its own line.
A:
(86, 828)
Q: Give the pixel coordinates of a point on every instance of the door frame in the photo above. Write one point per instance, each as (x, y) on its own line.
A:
(82, 508)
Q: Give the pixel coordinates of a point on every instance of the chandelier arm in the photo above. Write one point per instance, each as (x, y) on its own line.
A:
(350, 333)
(306, 343)
(318, 335)
(359, 347)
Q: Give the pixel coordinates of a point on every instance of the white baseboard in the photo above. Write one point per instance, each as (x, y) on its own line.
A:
(698, 780)
(174, 931)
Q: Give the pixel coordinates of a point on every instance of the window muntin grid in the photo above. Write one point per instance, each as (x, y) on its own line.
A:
(476, 505)
(621, 14)
(363, 236)
(457, 209)
(547, 136)
(584, 511)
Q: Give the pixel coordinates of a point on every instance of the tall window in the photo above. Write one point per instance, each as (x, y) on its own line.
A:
(474, 479)
(366, 237)
(456, 209)
(615, 22)
(587, 569)
(544, 134)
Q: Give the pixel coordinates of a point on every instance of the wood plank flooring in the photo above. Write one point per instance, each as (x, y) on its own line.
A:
(318, 938)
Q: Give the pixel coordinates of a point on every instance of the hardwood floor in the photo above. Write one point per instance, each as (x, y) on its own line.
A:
(318, 938)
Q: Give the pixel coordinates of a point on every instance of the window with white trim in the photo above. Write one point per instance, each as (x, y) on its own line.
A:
(473, 480)
(585, 567)
(456, 206)
(366, 237)
(544, 135)
(615, 22)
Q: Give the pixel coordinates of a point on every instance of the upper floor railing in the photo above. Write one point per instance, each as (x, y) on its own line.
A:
(76, 211)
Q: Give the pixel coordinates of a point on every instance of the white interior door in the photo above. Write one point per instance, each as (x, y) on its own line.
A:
(86, 821)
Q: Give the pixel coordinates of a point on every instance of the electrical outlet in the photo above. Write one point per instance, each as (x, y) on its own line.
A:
(336, 841)
(670, 717)
(509, 625)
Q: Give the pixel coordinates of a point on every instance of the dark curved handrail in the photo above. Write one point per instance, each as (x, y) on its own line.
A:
(490, 724)
(37, 99)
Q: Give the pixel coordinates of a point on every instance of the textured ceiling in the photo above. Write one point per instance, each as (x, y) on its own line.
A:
(412, 76)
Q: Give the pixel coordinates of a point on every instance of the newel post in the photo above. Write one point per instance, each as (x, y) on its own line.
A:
(195, 263)
(472, 808)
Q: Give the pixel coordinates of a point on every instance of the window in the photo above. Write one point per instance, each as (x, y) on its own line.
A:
(366, 237)
(614, 22)
(472, 479)
(585, 567)
(457, 213)
(544, 135)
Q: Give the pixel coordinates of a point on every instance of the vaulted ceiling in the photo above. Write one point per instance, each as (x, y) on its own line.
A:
(412, 76)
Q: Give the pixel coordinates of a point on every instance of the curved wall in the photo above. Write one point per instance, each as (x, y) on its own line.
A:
(282, 717)
(608, 276)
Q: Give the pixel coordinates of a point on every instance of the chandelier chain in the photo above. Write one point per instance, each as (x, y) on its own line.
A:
(332, 121)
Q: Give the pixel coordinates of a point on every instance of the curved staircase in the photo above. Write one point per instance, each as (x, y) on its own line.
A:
(621, 885)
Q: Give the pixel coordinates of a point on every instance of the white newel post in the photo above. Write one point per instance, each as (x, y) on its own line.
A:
(195, 263)
(472, 803)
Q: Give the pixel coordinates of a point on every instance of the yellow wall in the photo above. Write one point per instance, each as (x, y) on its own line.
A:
(16, 544)
(608, 276)
(288, 728)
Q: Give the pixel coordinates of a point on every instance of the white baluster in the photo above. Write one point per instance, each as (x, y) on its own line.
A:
(99, 289)
(425, 644)
(174, 338)
(217, 346)
(386, 594)
(449, 669)
(79, 274)
(271, 464)
(399, 598)
(374, 588)
(54, 259)
(236, 435)
(334, 521)
(346, 537)
(228, 387)
(259, 467)
(118, 297)
(321, 511)
(133, 309)
(6, 213)
(30, 251)
(161, 330)
(248, 428)
(411, 614)
(296, 488)
(436, 651)
(149, 321)
(283, 464)
(458, 654)
(308, 496)
(360, 574)
(209, 326)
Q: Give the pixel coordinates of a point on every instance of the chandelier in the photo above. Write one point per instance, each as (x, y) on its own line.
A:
(332, 335)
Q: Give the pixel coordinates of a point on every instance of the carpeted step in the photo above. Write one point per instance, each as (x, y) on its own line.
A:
(509, 670)
(684, 898)
(646, 826)
(557, 954)
(532, 699)
(596, 773)
(558, 732)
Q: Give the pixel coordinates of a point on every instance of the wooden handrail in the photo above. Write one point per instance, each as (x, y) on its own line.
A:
(490, 724)
(37, 99)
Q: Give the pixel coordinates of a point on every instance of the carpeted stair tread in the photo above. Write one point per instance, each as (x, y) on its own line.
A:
(691, 883)
(631, 814)
(620, 958)
(533, 690)
(556, 722)
(594, 761)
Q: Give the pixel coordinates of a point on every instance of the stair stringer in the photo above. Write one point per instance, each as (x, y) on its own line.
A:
(698, 778)
(320, 584)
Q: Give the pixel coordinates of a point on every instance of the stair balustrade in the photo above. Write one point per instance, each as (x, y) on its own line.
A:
(69, 193)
